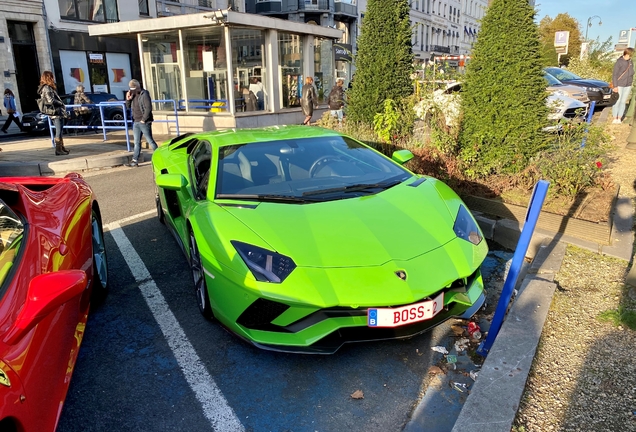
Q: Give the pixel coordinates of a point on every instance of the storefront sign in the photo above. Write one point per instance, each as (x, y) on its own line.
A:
(342, 52)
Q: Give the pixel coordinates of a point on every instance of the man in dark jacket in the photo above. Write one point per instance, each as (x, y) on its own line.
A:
(138, 100)
(336, 100)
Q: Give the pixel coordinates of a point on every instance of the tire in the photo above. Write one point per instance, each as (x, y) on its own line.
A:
(119, 117)
(99, 284)
(198, 277)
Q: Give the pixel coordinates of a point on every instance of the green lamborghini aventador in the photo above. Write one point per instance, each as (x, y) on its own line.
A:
(301, 239)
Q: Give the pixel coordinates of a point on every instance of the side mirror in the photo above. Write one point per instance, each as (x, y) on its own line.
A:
(402, 156)
(47, 292)
(171, 181)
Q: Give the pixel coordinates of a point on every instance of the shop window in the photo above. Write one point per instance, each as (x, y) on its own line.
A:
(206, 73)
(248, 61)
(290, 68)
(162, 68)
(103, 11)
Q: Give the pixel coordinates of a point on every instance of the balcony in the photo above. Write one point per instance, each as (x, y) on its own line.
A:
(345, 10)
(317, 5)
(440, 49)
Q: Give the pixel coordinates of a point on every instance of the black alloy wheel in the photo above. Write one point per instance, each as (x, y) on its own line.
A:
(198, 276)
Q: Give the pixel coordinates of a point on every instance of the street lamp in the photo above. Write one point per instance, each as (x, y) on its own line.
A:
(589, 23)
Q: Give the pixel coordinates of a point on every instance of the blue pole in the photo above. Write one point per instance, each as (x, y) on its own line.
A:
(590, 114)
(534, 210)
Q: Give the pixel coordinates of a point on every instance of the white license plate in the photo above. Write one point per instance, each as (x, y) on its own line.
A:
(26, 124)
(395, 317)
(606, 96)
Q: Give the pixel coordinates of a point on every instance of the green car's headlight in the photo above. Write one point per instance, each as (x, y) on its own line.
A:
(465, 226)
(266, 266)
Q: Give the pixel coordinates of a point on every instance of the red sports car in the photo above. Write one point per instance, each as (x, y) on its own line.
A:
(52, 266)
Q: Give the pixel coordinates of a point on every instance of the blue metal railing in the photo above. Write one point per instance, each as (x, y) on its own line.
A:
(107, 124)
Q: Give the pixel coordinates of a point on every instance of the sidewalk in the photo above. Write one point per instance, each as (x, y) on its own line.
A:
(35, 156)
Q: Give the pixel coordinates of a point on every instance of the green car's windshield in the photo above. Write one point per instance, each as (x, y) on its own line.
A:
(11, 230)
(304, 170)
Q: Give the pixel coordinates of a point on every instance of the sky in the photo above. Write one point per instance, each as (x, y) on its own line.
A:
(616, 15)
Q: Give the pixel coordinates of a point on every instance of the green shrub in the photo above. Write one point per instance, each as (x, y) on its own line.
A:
(503, 99)
(571, 166)
(384, 60)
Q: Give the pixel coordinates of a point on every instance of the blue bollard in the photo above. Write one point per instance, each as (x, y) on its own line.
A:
(534, 209)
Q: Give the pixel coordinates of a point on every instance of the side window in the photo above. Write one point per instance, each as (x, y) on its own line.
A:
(200, 165)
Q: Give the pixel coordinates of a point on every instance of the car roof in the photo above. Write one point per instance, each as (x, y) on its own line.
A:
(229, 137)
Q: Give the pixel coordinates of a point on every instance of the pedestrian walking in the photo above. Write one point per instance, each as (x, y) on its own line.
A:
(336, 100)
(12, 111)
(138, 100)
(83, 113)
(622, 79)
(51, 104)
(309, 99)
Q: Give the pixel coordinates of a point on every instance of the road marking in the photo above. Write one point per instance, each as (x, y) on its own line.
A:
(129, 218)
(215, 406)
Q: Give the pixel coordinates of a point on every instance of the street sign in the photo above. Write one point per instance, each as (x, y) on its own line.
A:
(561, 40)
(623, 37)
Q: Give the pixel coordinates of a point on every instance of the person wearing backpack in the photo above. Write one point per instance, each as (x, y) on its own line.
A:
(138, 100)
(336, 100)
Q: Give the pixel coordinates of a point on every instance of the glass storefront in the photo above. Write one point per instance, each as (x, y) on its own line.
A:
(290, 68)
(206, 74)
(323, 67)
(201, 74)
(161, 66)
(248, 62)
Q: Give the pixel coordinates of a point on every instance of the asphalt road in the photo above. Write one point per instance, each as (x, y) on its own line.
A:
(149, 361)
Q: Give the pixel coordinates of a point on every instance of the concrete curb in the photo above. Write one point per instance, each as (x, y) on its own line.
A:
(494, 399)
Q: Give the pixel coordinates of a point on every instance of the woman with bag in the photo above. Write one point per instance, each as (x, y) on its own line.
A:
(622, 79)
(51, 104)
(309, 99)
(9, 104)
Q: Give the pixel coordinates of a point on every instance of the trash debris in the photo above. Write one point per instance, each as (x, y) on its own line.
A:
(451, 358)
(461, 345)
(440, 349)
(457, 330)
(434, 370)
(474, 374)
(474, 331)
(357, 394)
(460, 387)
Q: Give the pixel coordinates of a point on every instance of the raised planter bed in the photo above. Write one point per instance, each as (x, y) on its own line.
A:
(598, 232)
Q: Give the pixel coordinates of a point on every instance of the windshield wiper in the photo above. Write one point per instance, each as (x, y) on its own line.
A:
(264, 197)
(354, 188)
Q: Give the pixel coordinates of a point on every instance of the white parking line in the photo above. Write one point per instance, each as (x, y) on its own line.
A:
(215, 406)
(130, 218)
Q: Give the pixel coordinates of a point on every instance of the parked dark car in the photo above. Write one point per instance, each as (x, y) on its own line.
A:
(37, 122)
(597, 90)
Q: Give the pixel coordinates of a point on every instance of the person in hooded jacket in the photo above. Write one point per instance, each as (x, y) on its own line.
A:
(138, 100)
(9, 104)
(56, 109)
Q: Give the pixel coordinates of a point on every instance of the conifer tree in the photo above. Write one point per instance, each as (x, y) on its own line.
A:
(384, 60)
(504, 97)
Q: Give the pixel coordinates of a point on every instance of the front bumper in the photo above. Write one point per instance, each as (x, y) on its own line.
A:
(318, 310)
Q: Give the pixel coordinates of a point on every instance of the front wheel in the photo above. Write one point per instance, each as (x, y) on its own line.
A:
(99, 284)
(198, 276)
